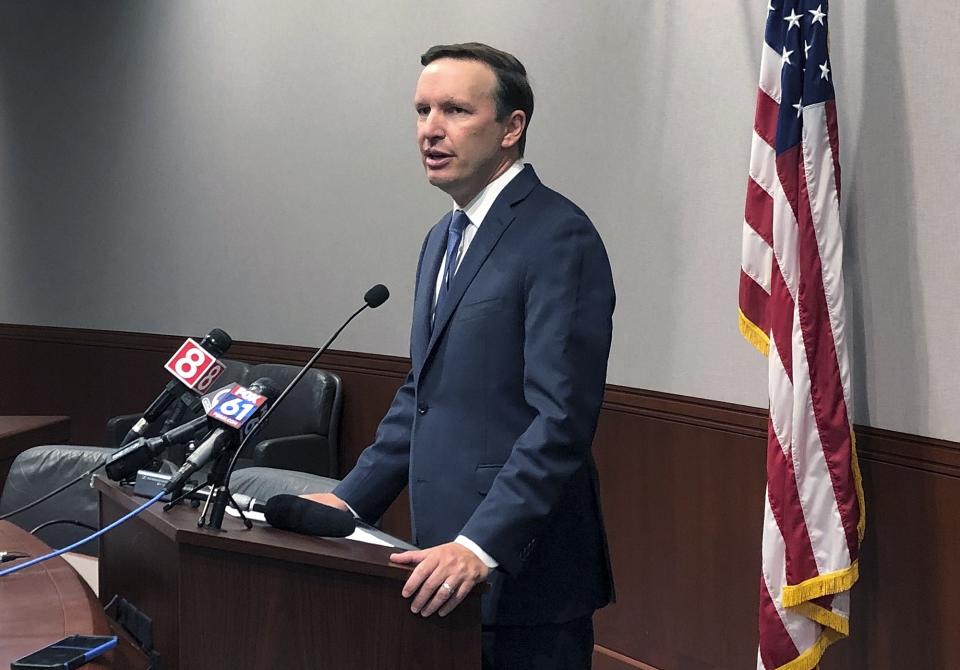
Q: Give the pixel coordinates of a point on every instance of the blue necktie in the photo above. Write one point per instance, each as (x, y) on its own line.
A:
(458, 223)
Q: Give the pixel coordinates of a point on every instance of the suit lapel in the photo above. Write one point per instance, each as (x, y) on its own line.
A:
(427, 284)
(498, 219)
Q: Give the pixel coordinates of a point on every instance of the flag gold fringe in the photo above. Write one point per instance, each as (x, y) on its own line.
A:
(821, 585)
(759, 339)
(858, 484)
(824, 617)
(809, 659)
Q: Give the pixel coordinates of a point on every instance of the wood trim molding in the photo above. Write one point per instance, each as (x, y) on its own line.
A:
(699, 412)
(388, 366)
(926, 454)
(874, 444)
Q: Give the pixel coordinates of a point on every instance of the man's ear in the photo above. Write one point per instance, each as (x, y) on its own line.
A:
(513, 129)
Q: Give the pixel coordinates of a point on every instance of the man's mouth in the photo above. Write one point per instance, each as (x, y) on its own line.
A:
(434, 159)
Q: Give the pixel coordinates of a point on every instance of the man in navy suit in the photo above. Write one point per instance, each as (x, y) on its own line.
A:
(493, 426)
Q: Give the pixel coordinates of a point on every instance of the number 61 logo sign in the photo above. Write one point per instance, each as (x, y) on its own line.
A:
(235, 406)
(194, 366)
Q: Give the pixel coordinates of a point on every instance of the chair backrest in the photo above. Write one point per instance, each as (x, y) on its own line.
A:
(41, 469)
(313, 405)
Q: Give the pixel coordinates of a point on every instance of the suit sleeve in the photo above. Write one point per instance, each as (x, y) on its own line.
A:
(383, 468)
(381, 471)
(569, 299)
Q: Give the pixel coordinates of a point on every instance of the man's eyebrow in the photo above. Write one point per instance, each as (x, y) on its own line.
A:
(455, 102)
(445, 102)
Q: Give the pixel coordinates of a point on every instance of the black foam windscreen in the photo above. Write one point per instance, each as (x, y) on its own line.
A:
(216, 342)
(299, 515)
(265, 387)
(376, 296)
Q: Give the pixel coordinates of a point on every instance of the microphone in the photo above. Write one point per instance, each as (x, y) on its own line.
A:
(239, 409)
(125, 462)
(376, 296)
(299, 515)
(194, 366)
(247, 503)
(373, 298)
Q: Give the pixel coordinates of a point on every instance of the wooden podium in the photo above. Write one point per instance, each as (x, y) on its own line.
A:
(265, 598)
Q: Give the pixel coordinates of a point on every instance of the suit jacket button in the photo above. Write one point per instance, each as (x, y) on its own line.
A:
(422, 409)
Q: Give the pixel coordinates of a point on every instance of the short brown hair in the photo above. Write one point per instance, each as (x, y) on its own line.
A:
(513, 90)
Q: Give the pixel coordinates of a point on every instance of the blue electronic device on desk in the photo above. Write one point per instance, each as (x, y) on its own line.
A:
(70, 652)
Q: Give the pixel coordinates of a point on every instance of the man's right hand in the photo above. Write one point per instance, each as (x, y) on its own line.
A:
(326, 499)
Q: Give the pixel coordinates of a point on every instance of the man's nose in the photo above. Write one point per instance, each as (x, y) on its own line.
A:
(431, 127)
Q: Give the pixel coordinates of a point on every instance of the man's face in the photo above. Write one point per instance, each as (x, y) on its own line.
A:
(461, 143)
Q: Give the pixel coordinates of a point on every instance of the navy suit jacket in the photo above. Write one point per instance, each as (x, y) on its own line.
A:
(493, 426)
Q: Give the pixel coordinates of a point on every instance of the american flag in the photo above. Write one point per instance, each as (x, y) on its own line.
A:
(791, 309)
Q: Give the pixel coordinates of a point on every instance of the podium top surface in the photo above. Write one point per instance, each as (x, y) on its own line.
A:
(179, 525)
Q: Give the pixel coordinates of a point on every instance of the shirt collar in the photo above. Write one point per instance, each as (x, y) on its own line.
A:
(477, 208)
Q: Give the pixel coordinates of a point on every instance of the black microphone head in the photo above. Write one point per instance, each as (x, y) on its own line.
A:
(376, 296)
(265, 387)
(299, 515)
(124, 463)
(216, 342)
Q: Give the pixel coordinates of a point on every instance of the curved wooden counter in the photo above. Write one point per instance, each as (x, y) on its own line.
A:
(46, 603)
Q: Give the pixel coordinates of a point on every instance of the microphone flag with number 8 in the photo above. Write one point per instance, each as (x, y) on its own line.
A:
(194, 366)
(235, 407)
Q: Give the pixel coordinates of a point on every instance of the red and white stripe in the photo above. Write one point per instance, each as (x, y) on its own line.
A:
(792, 309)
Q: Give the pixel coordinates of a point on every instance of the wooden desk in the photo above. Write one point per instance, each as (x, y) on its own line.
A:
(19, 433)
(48, 602)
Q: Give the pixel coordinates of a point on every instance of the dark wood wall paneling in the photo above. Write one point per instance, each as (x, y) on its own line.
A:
(682, 482)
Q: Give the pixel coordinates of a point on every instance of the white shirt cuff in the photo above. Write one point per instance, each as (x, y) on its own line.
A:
(487, 559)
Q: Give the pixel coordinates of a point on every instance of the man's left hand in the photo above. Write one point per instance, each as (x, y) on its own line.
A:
(444, 576)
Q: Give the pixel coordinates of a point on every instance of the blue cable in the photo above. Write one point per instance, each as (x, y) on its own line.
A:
(54, 554)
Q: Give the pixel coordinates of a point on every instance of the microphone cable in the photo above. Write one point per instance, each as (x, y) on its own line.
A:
(71, 547)
(64, 522)
(63, 487)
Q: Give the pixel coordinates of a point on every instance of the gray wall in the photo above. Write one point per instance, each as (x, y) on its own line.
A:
(173, 166)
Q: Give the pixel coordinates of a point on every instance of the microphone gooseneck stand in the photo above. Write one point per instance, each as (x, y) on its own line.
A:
(219, 477)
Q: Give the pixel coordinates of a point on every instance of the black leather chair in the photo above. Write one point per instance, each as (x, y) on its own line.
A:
(299, 442)
(302, 435)
(40, 470)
